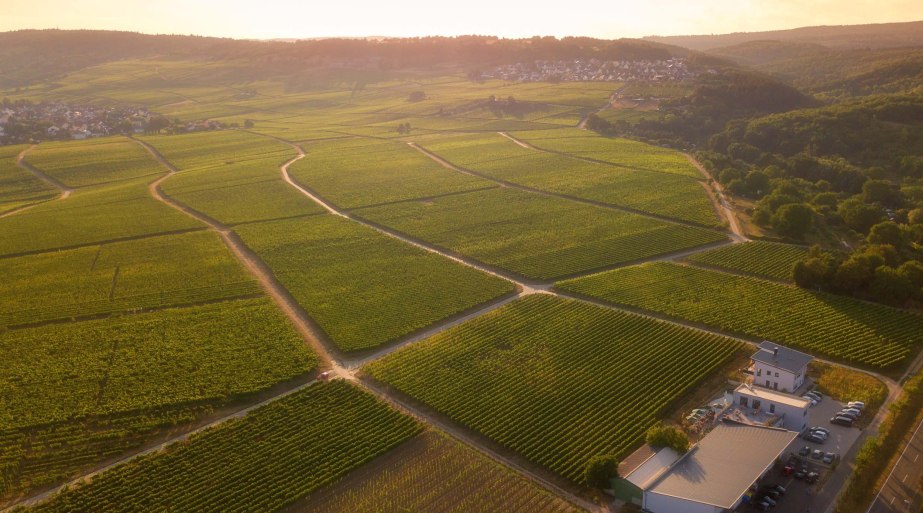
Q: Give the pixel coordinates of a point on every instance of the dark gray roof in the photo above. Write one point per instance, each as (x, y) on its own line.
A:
(721, 468)
(788, 359)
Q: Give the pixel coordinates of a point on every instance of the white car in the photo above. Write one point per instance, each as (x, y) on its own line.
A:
(809, 398)
(855, 411)
(859, 405)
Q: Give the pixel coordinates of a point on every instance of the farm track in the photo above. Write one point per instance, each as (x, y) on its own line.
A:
(525, 188)
(21, 162)
(721, 202)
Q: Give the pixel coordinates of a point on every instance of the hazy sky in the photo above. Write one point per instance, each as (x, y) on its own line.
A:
(312, 18)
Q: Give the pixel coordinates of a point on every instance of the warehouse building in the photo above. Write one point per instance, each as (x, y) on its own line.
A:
(758, 405)
(719, 473)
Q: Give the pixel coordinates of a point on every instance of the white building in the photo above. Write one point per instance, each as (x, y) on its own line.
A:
(719, 472)
(772, 408)
(779, 368)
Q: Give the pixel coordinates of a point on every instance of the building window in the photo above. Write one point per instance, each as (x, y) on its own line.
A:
(759, 372)
(775, 385)
(743, 401)
(768, 383)
(777, 374)
(772, 408)
(756, 404)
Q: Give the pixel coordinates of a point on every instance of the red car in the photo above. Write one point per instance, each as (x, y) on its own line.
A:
(788, 470)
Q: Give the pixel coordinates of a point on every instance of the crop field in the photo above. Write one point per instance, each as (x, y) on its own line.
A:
(36, 456)
(541, 375)
(97, 214)
(93, 161)
(232, 176)
(536, 236)
(435, 474)
(759, 258)
(363, 288)
(359, 172)
(262, 462)
(623, 152)
(645, 190)
(17, 186)
(164, 358)
(835, 326)
(189, 268)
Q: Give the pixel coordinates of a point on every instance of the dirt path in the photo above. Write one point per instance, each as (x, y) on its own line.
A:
(50, 180)
(721, 202)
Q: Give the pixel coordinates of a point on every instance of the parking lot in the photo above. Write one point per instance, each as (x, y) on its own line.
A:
(800, 496)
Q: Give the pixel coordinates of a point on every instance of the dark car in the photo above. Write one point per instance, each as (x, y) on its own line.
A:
(772, 494)
(812, 477)
(843, 421)
(850, 415)
(824, 431)
(777, 487)
(817, 454)
(814, 438)
(804, 451)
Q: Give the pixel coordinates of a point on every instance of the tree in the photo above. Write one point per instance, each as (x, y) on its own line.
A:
(915, 216)
(856, 272)
(858, 215)
(248, 124)
(793, 220)
(881, 192)
(890, 286)
(816, 272)
(887, 232)
(600, 470)
(156, 124)
(668, 436)
(757, 183)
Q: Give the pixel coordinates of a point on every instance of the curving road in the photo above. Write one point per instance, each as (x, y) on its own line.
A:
(50, 180)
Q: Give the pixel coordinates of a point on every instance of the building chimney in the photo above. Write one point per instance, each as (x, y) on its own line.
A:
(775, 352)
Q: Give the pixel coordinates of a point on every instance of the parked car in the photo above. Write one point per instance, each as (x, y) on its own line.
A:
(804, 451)
(812, 477)
(859, 405)
(768, 499)
(777, 487)
(761, 505)
(788, 470)
(810, 399)
(823, 434)
(843, 421)
(772, 494)
(822, 430)
(857, 412)
(814, 395)
(817, 393)
(850, 415)
(817, 454)
(801, 474)
(829, 457)
(815, 438)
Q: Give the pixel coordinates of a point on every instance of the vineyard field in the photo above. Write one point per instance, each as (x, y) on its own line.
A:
(232, 176)
(759, 258)
(262, 462)
(435, 474)
(359, 172)
(17, 186)
(541, 375)
(622, 152)
(536, 236)
(836, 326)
(93, 161)
(642, 189)
(97, 214)
(60, 372)
(365, 289)
(154, 272)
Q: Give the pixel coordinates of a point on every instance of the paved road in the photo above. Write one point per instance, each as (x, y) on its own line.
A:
(902, 491)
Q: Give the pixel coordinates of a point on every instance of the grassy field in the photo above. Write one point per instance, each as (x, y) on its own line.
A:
(359, 172)
(145, 361)
(147, 273)
(18, 187)
(536, 236)
(262, 462)
(232, 176)
(759, 258)
(542, 376)
(363, 288)
(93, 161)
(90, 216)
(435, 474)
(835, 326)
(643, 189)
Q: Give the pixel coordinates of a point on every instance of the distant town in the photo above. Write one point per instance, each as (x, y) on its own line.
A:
(24, 121)
(593, 70)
